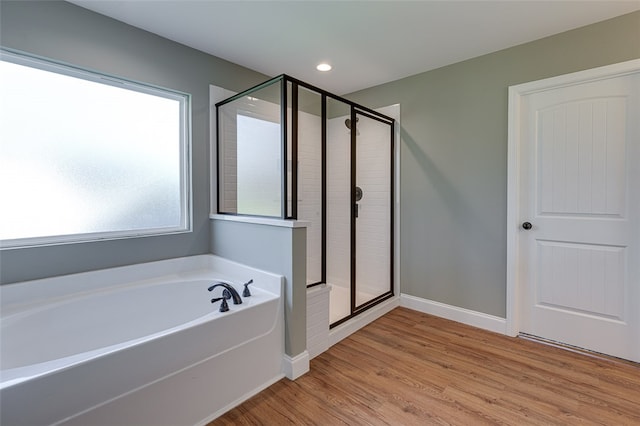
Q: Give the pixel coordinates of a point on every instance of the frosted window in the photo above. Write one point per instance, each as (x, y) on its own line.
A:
(84, 156)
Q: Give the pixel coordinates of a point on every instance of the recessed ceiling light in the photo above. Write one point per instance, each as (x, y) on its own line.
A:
(323, 67)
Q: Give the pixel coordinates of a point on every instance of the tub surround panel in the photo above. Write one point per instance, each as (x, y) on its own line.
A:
(43, 291)
(220, 387)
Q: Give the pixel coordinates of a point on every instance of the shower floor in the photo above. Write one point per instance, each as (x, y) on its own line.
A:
(340, 302)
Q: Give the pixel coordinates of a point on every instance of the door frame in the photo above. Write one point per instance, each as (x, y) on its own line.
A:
(517, 95)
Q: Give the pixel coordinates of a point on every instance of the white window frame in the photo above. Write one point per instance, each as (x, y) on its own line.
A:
(184, 99)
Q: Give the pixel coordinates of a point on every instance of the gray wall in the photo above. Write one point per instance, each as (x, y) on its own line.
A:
(68, 33)
(454, 158)
(280, 250)
(453, 153)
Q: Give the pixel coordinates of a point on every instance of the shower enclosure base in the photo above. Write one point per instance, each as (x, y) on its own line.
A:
(340, 305)
(354, 324)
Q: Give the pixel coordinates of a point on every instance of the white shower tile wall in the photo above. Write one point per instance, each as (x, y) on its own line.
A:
(310, 189)
(229, 175)
(373, 236)
(338, 203)
(373, 239)
(374, 216)
(318, 319)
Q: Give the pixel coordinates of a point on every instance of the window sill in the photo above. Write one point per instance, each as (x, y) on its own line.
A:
(289, 223)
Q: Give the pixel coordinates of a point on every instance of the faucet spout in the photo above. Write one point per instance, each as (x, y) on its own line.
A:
(228, 289)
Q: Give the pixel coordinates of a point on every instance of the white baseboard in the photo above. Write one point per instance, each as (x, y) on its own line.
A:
(296, 366)
(454, 313)
(354, 324)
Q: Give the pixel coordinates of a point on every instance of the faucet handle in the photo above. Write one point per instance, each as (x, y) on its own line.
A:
(224, 307)
(246, 292)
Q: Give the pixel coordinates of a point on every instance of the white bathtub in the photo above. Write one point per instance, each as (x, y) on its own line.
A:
(137, 345)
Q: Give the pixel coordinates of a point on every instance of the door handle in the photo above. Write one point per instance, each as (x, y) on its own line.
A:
(358, 193)
(527, 225)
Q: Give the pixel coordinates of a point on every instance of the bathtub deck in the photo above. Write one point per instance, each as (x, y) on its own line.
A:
(411, 368)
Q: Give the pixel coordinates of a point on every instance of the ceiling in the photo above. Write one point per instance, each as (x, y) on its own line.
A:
(367, 42)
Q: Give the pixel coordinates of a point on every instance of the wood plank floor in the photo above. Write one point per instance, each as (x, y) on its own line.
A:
(409, 368)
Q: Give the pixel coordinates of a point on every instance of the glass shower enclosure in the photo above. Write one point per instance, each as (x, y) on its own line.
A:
(289, 150)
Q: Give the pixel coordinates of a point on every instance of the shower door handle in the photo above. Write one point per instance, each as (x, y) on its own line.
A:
(355, 211)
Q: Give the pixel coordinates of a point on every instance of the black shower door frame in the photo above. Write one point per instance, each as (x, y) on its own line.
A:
(289, 145)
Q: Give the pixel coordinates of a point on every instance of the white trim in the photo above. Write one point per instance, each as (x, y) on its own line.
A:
(394, 111)
(513, 183)
(579, 77)
(347, 328)
(97, 77)
(283, 223)
(516, 94)
(296, 366)
(454, 313)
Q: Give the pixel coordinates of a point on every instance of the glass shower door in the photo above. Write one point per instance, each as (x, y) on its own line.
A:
(358, 210)
(373, 210)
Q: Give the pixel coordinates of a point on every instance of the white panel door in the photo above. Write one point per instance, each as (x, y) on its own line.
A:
(580, 191)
